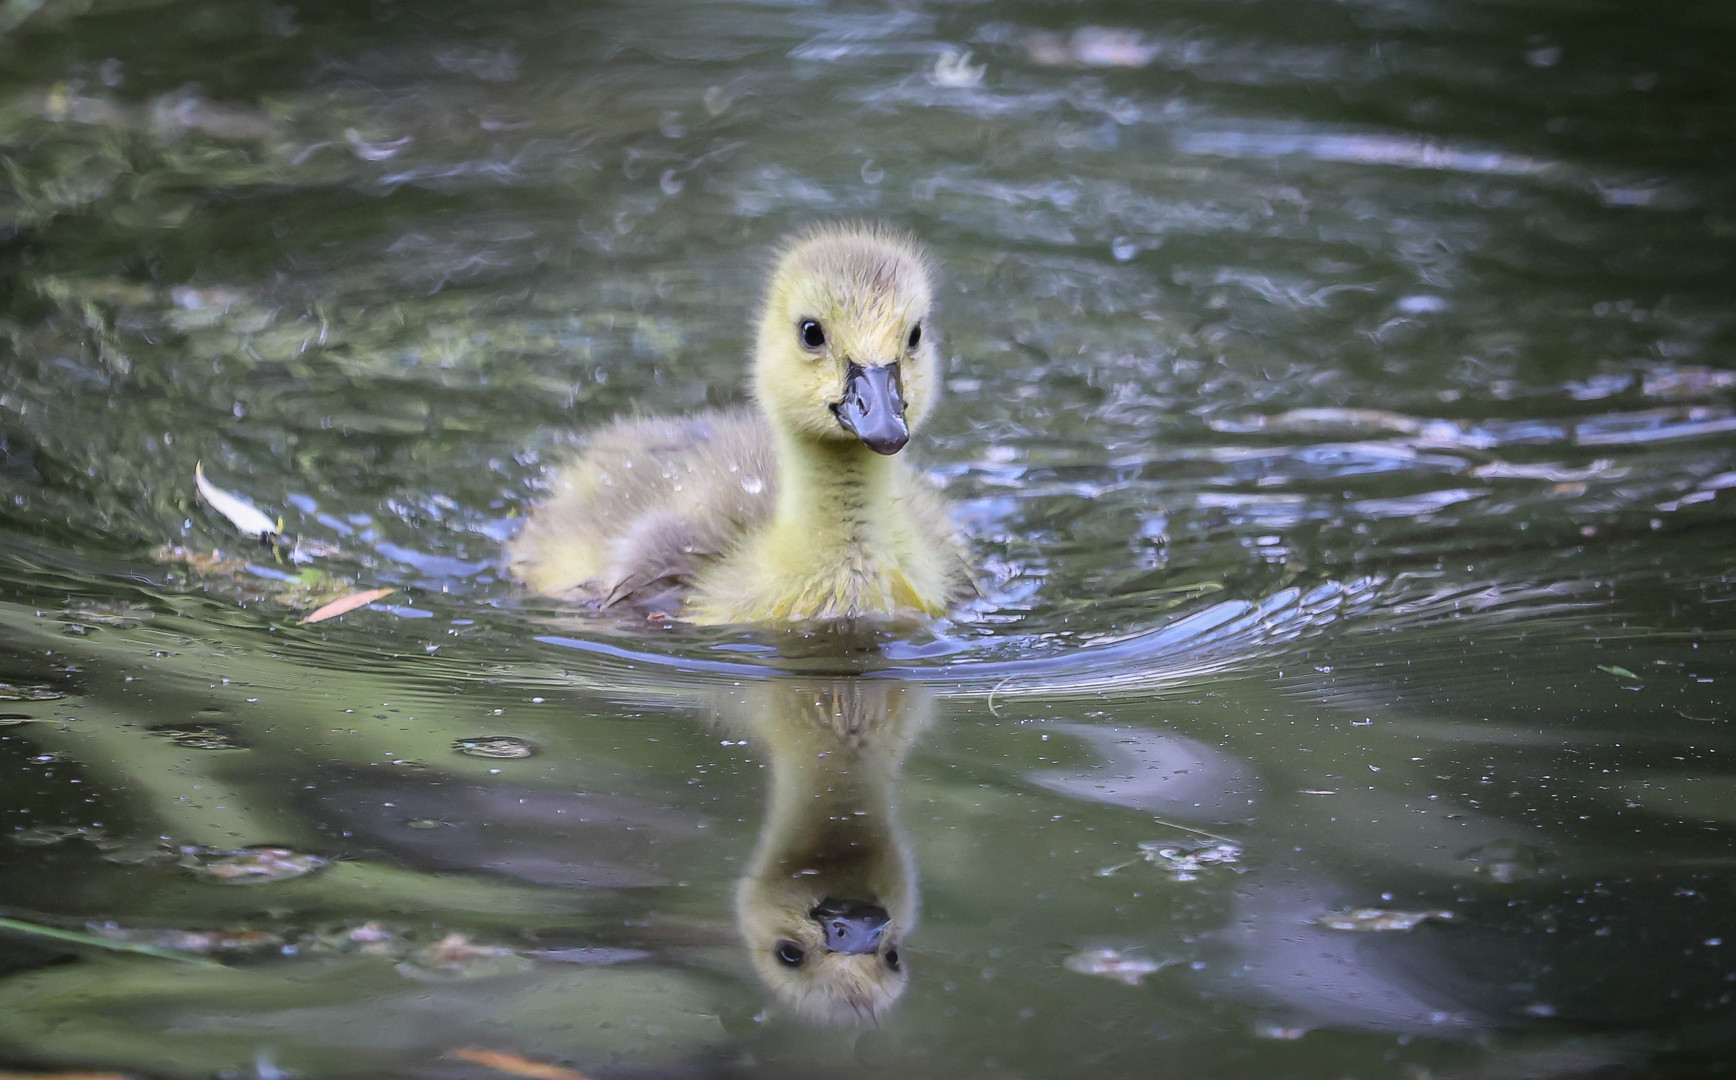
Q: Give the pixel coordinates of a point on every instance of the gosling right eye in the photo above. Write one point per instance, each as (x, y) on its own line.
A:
(813, 336)
(790, 954)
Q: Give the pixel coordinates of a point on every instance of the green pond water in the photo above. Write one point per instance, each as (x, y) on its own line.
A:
(1340, 405)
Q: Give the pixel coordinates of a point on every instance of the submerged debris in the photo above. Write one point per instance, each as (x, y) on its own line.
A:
(199, 737)
(1092, 47)
(114, 616)
(455, 956)
(590, 955)
(49, 835)
(250, 866)
(494, 746)
(952, 70)
(13, 692)
(212, 563)
(1185, 861)
(93, 940)
(1270, 1029)
(1113, 963)
(1376, 920)
(194, 942)
(1505, 861)
(134, 852)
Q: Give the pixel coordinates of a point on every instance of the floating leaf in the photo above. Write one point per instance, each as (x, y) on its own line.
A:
(502, 1061)
(241, 513)
(1619, 672)
(346, 604)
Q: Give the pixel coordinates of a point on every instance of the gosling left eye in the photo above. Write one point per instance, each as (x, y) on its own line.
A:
(916, 335)
(813, 336)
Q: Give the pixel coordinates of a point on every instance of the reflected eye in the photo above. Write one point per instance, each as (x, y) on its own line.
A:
(916, 335)
(790, 954)
(892, 959)
(812, 335)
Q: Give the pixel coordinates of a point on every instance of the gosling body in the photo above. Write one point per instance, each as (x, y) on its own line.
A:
(796, 510)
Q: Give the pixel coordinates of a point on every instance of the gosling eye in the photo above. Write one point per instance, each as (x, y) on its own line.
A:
(892, 959)
(812, 334)
(916, 335)
(790, 954)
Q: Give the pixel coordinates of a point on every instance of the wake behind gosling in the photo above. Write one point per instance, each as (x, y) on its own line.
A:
(800, 509)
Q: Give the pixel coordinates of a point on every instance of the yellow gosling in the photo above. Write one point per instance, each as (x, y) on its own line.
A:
(801, 512)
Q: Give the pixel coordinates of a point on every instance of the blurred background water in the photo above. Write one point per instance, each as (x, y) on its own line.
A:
(1341, 406)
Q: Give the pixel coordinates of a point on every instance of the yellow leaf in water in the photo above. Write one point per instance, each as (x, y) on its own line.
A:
(346, 603)
(512, 1063)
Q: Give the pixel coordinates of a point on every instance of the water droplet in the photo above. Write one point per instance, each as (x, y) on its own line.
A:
(494, 746)
(753, 485)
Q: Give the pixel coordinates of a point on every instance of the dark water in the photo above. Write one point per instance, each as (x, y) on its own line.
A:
(1341, 404)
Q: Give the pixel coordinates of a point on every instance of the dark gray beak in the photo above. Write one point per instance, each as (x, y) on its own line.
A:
(851, 926)
(873, 407)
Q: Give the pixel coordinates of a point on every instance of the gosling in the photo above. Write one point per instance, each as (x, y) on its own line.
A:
(798, 513)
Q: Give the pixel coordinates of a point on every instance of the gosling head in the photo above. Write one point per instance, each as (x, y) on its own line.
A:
(828, 959)
(845, 353)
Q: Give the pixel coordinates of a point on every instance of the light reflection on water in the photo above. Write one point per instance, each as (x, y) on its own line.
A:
(1339, 403)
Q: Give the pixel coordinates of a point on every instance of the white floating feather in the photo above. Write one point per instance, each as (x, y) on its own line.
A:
(241, 513)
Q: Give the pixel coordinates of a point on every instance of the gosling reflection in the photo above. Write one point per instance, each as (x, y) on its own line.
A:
(830, 894)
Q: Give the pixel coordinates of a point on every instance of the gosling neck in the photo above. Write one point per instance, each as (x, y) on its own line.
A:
(835, 490)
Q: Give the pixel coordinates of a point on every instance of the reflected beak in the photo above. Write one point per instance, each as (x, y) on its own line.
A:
(873, 407)
(851, 926)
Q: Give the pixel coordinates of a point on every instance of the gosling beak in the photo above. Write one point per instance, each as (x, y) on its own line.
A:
(873, 407)
(851, 926)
